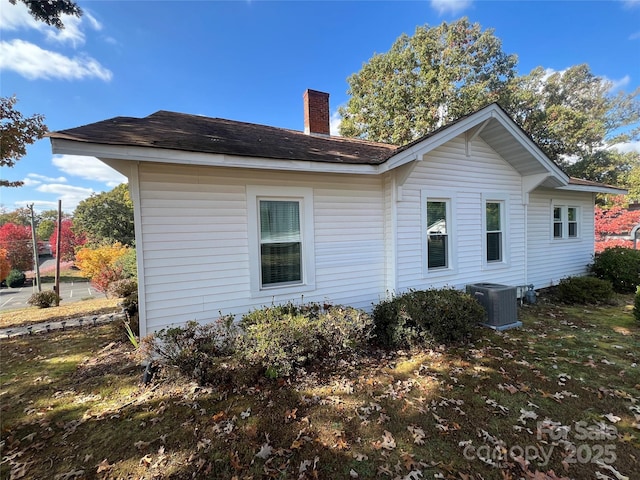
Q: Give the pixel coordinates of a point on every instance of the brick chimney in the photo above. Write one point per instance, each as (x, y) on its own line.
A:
(316, 112)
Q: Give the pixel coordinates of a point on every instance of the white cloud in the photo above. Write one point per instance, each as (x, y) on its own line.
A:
(616, 84)
(628, 146)
(40, 205)
(30, 182)
(44, 178)
(450, 6)
(71, 33)
(632, 3)
(16, 17)
(89, 168)
(334, 123)
(33, 62)
(69, 194)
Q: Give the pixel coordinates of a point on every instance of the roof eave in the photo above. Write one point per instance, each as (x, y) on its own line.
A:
(151, 154)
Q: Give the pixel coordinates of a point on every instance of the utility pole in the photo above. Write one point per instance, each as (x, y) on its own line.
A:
(36, 261)
(57, 284)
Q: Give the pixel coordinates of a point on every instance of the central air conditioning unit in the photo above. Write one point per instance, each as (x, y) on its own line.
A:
(500, 303)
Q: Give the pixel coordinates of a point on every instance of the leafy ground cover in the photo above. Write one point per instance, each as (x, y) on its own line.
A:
(557, 398)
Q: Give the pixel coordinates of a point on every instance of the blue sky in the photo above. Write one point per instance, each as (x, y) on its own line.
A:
(251, 61)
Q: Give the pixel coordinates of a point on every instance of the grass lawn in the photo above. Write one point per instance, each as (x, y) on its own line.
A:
(558, 395)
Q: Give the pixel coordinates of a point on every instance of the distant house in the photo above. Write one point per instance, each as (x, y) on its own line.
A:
(230, 216)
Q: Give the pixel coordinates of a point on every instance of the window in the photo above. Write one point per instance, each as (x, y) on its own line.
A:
(493, 229)
(280, 240)
(565, 222)
(572, 220)
(494, 211)
(437, 235)
(557, 222)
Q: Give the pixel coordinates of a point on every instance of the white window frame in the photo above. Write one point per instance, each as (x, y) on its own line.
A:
(304, 196)
(450, 201)
(564, 221)
(503, 200)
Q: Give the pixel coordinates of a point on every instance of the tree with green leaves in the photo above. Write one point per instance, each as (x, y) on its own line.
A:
(445, 72)
(16, 132)
(425, 81)
(51, 11)
(107, 217)
(574, 115)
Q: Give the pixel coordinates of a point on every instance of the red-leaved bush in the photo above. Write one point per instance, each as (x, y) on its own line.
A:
(615, 220)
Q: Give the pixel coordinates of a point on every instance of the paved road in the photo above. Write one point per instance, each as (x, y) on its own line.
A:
(11, 298)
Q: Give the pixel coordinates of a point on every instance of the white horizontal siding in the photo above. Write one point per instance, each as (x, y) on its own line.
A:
(551, 259)
(194, 236)
(467, 178)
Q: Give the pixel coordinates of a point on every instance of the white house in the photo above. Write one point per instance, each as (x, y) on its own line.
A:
(230, 216)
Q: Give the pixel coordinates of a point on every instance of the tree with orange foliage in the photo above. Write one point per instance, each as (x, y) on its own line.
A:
(5, 266)
(100, 264)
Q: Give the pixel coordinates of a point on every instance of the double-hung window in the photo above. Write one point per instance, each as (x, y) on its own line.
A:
(565, 221)
(495, 228)
(438, 233)
(494, 231)
(281, 240)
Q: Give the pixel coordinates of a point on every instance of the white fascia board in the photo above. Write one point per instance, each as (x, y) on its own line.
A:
(151, 154)
(528, 144)
(419, 150)
(594, 189)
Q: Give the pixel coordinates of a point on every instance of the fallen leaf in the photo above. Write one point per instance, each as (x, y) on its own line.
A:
(353, 473)
(104, 466)
(612, 418)
(388, 442)
(265, 451)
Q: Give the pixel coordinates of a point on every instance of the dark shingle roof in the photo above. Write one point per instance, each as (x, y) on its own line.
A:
(193, 133)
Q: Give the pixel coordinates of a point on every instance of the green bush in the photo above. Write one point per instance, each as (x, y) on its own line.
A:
(283, 337)
(44, 299)
(195, 349)
(127, 263)
(394, 322)
(584, 290)
(636, 305)
(16, 279)
(452, 315)
(419, 316)
(122, 288)
(620, 266)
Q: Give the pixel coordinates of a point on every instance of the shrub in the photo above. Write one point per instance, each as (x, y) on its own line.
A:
(106, 277)
(16, 279)
(195, 348)
(45, 299)
(283, 337)
(394, 322)
(619, 265)
(122, 288)
(130, 303)
(452, 315)
(636, 305)
(127, 262)
(584, 290)
(418, 316)
(93, 261)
